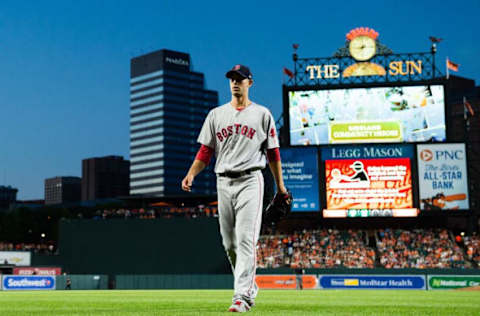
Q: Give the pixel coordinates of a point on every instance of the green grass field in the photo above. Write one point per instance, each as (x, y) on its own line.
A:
(216, 302)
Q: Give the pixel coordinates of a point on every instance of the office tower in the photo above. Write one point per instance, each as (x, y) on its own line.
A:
(60, 190)
(105, 177)
(168, 104)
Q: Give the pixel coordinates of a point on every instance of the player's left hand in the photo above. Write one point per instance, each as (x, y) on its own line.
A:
(283, 190)
(280, 207)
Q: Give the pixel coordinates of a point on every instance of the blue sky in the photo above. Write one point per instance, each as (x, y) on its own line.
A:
(64, 88)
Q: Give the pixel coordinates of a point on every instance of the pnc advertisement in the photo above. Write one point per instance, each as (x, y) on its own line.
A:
(367, 181)
(442, 173)
(367, 115)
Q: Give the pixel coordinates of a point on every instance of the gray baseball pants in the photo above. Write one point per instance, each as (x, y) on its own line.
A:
(240, 203)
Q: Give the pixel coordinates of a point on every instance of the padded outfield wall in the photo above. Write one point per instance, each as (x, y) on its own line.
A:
(135, 246)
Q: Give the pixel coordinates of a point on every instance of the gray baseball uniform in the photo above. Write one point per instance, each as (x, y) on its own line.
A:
(240, 139)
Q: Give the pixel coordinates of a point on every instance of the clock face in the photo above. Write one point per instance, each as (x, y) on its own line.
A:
(362, 48)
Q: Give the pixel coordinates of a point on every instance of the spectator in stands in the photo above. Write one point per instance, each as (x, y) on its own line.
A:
(316, 249)
(472, 247)
(419, 249)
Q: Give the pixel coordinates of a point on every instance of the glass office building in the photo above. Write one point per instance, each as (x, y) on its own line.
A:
(168, 104)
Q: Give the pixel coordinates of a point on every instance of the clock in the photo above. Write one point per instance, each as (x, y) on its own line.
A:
(362, 47)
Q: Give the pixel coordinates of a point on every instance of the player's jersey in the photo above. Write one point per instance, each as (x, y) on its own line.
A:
(239, 138)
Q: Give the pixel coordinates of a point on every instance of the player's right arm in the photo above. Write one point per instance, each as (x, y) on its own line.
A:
(202, 160)
(196, 168)
(204, 154)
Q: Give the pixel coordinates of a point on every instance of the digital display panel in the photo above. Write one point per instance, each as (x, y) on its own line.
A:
(369, 181)
(442, 175)
(301, 177)
(367, 115)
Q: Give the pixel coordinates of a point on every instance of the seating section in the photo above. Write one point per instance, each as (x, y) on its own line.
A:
(326, 248)
(472, 247)
(392, 249)
(420, 249)
(47, 248)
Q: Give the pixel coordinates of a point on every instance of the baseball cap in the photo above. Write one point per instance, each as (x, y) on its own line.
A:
(241, 70)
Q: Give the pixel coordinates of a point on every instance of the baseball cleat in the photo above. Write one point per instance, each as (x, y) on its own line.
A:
(239, 307)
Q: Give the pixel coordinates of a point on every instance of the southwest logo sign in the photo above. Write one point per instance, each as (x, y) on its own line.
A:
(28, 282)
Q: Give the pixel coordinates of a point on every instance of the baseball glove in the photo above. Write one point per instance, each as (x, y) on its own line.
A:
(278, 208)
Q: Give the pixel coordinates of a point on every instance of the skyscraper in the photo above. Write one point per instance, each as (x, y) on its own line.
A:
(168, 103)
(60, 190)
(8, 195)
(105, 177)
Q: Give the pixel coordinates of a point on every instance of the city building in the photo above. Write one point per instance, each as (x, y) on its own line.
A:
(8, 195)
(61, 190)
(105, 177)
(168, 104)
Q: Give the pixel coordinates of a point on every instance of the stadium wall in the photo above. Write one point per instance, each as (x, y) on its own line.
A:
(197, 281)
(162, 246)
(83, 282)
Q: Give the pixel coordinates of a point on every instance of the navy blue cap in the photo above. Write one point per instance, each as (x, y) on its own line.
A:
(241, 70)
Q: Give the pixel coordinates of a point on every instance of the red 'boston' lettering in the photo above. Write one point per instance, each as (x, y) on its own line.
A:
(237, 128)
(251, 132)
(244, 129)
(224, 133)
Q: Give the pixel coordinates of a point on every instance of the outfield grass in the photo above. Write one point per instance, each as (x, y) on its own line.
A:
(216, 302)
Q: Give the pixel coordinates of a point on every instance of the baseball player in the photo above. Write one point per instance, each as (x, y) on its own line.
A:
(241, 134)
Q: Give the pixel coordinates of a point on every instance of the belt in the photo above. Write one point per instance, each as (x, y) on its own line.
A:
(239, 174)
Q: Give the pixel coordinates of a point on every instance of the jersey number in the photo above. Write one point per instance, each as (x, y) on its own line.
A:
(272, 132)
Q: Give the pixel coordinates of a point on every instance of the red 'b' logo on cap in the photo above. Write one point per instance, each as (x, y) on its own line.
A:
(236, 67)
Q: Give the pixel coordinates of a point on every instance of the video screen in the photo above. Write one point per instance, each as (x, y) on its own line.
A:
(369, 181)
(367, 115)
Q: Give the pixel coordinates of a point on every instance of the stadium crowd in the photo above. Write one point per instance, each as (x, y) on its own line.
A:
(153, 213)
(420, 248)
(326, 248)
(472, 246)
(48, 248)
(331, 248)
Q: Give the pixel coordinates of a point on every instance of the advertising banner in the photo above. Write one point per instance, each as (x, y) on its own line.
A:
(286, 281)
(300, 173)
(18, 258)
(34, 282)
(442, 174)
(365, 181)
(37, 271)
(445, 282)
(367, 115)
(393, 282)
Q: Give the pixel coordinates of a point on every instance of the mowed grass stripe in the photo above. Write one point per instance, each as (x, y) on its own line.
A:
(216, 302)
